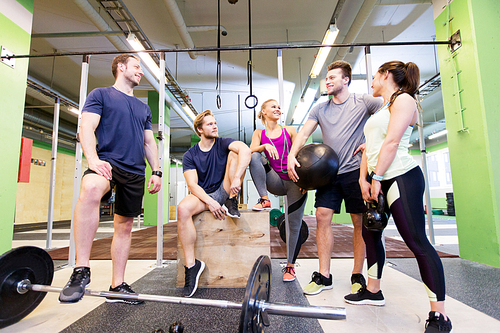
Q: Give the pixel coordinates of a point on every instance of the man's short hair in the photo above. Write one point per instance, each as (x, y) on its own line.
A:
(123, 59)
(344, 66)
(198, 121)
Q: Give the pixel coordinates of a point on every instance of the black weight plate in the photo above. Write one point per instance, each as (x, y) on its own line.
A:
(27, 262)
(304, 229)
(258, 289)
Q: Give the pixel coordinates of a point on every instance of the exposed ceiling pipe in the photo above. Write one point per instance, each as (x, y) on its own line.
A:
(101, 24)
(179, 23)
(201, 28)
(356, 27)
(41, 119)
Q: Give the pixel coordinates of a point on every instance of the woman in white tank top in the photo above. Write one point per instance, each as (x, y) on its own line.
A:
(387, 168)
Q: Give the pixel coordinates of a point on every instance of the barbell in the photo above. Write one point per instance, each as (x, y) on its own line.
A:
(27, 272)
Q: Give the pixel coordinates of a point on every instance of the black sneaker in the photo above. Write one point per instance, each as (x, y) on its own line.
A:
(123, 288)
(318, 284)
(231, 207)
(364, 297)
(357, 282)
(74, 290)
(192, 275)
(437, 323)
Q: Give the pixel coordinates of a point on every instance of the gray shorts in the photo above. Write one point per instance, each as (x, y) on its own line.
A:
(220, 195)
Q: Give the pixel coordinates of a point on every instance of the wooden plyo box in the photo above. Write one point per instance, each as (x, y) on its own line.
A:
(228, 247)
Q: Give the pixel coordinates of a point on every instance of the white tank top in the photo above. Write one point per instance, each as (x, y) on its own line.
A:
(375, 132)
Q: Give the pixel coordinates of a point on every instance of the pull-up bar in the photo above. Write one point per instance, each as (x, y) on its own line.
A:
(231, 48)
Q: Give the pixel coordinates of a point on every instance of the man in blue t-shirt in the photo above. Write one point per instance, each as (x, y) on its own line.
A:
(115, 134)
(214, 169)
(342, 120)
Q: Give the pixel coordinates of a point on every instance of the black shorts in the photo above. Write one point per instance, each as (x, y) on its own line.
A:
(129, 190)
(346, 187)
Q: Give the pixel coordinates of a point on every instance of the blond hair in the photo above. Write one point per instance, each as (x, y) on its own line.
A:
(198, 121)
(262, 107)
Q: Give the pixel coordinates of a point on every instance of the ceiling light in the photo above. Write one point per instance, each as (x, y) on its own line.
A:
(329, 39)
(74, 110)
(188, 111)
(437, 135)
(136, 45)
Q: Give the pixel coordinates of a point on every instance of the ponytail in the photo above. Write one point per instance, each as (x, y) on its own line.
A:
(406, 76)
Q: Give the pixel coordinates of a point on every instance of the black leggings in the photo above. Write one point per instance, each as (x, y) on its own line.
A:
(404, 196)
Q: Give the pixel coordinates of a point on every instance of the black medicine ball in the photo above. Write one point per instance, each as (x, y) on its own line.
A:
(319, 165)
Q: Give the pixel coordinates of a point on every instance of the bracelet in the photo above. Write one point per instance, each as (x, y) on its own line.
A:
(157, 173)
(376, 177)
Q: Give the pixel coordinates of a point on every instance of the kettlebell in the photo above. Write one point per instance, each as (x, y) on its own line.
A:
(376, 215)
(176, 327)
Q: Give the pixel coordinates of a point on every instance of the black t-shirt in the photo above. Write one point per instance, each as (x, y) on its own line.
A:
(120, 133)
(210, 166)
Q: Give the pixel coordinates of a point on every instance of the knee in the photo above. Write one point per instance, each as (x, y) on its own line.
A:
(256, 159)
(323, 217)
(91, 192)
(183, 213)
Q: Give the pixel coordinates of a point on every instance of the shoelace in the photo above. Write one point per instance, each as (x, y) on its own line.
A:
(289, 269)
(78, 276)
(262, 201)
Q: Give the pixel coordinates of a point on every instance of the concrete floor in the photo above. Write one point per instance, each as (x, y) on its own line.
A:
(472, 291)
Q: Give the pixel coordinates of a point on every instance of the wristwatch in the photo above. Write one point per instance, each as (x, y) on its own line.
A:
(157, 173)
(376, 177)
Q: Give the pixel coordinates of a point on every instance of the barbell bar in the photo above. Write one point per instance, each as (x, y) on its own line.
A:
(26, 274)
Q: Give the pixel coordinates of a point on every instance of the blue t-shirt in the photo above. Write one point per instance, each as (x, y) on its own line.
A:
(120, 133)
(210, 165)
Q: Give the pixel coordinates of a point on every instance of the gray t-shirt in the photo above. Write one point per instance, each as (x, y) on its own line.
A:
(342, 126)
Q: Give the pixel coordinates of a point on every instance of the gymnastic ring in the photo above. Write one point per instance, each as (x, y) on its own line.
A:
(218, 102)
(254, 105)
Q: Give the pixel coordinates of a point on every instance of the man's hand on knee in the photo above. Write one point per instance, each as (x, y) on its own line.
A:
(217, 210)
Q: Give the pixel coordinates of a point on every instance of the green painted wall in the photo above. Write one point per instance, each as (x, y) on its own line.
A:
(28, 4)
(12, 95)
(470, 83)
(151, 201)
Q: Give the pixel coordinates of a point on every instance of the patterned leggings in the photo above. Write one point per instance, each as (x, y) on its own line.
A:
(404, 196)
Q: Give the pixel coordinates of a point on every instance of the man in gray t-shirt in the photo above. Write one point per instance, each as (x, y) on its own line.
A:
(341, 119)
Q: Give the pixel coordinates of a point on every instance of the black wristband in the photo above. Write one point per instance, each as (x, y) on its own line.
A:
(157, 173)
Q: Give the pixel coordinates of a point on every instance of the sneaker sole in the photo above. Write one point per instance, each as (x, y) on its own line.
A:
(366, 302)
(318, 291)
(288, 280)
(117, 300)
(197, 278)
(229, 214)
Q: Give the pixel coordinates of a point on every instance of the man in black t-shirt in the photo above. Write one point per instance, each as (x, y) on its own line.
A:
(214, 169)
(115, 134)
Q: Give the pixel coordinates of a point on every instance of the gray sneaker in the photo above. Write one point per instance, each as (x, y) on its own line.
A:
(74, 290)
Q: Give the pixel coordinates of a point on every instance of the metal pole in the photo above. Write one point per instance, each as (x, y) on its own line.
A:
(161, 149)
(282, 120)
(52, 188)
(77, 179)
(319, 312)
(369, 74)
(421, 140)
